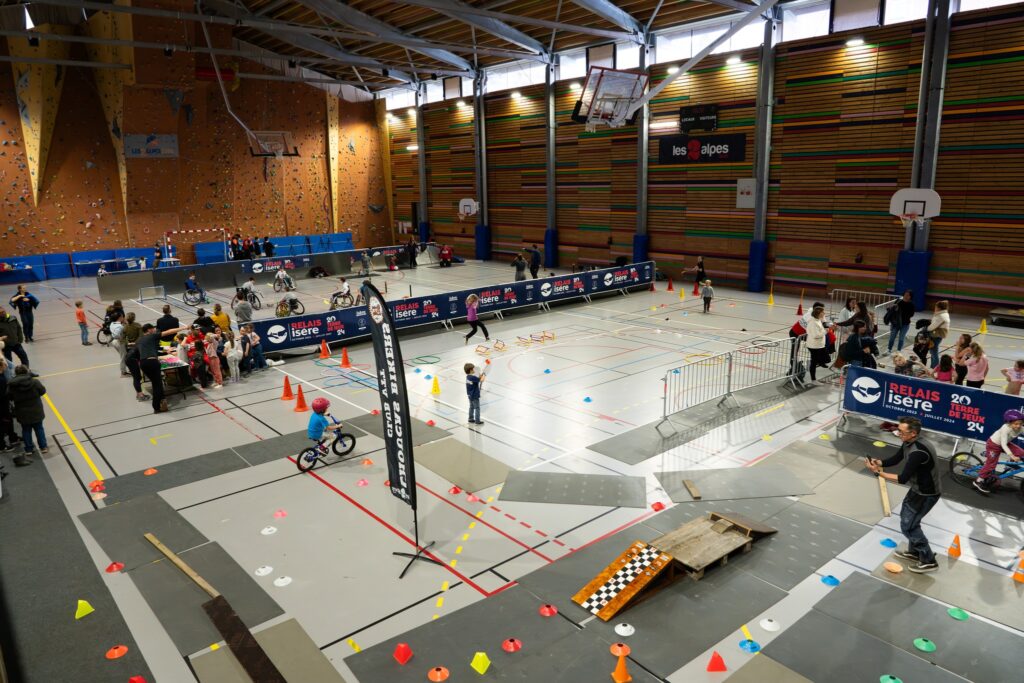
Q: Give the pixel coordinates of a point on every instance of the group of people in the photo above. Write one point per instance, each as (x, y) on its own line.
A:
(21, 392)
(208, 347)
(529, 256)
(247, 248)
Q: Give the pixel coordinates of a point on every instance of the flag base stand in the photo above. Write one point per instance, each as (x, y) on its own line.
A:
(420, 549)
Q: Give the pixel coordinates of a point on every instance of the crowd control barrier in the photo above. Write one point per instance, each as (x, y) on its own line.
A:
(346, 324)
(960, 411)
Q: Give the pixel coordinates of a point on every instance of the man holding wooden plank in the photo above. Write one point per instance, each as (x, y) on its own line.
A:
(922, 474)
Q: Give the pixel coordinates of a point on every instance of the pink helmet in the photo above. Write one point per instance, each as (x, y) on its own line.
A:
(320, 405)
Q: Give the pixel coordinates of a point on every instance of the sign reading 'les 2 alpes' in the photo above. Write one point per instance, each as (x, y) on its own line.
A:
(702, 149)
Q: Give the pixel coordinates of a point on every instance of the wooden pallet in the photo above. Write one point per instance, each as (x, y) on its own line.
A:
(620, 582)
(707, 541)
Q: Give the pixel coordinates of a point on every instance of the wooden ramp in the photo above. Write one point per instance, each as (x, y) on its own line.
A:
(647, 568)
(622, 580)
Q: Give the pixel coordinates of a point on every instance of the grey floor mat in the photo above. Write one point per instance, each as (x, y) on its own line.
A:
(293, 652)
(607, 490)
(451, 640)
(808, 461)
(461, 464)
(853, 492)
(1006, 501)
(733, 483)
(119, 530)
(762, 669)
(421, 432)
(713, 608)
(177, 600)
(644, 442)
(169, 475)
(990, 594)
(973, 649)
(276, 448)
(825, 649)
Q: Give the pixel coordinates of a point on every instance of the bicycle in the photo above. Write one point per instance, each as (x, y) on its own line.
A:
(965, 467)
(342, 445)
(342, 301)
(287, 308)
(103, 336)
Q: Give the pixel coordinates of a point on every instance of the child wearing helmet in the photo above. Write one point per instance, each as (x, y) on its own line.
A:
(998, 444)
(319, 422)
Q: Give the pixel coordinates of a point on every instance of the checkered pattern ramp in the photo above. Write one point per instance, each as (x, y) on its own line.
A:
(622, 580)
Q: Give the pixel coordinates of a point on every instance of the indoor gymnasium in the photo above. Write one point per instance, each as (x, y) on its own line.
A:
(381, 341)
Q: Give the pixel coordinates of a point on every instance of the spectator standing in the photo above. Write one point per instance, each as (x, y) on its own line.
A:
(149, 362)
(167, 321)
(118, 342)
(977, 366)
(26, 394)
(816, 336)
(855, 348)
(938, 328)
(25, 304)
(961, 351)
(157, 255)
(268, 247)
(8, 439)
(83, 324)
(534, 261)
(921, 472)
(214, 360)
(411, 249)
(12, 337)
(242, 309)
(131, 359)
(699, 268)
(233, 353)
(899, 316)
(519, 263)
(205, 322)
(707, 292)
(1014, 378)
(849, 308)
(220, 318)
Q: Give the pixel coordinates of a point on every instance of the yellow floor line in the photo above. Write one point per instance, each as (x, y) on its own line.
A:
(74, 439)
(68, 372)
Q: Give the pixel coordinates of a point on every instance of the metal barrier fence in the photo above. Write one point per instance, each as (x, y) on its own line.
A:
(877, 303)
(720, 375)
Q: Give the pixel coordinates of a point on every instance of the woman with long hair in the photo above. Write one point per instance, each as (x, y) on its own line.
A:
(977, 366)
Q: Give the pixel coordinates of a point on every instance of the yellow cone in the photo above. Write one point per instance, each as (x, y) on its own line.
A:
(84, 609)
(682, 293)
(984, 327)
(771, 299)
(481, 662)
(436, 388)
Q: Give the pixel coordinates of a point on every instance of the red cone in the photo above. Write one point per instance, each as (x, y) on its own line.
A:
(800, 309)
(300, 404)
(716, 663)
(670, 287)
(402, 653)
(696, 288)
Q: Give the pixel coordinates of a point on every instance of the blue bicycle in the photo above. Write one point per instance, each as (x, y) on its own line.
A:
(342, 445)
(964, 468)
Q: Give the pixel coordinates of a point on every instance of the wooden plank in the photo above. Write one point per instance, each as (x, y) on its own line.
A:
(180, 564)
(747, 525)
(885, 496)
(692, 489)
(697, 545)
(632, 571)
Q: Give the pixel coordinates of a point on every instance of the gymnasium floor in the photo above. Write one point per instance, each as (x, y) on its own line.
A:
(544, 405)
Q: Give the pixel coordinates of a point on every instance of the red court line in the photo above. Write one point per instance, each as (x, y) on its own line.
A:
(219, 410)
(649, 513)
(487, 524)
(401, 535)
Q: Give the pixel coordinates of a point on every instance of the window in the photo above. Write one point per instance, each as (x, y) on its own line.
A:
(572, 64)
(627, 56)
(751, 35)
(467, 87)
(968, 5)
(516, 75)
(452, 88)
(805, 22)
(398, 99)
(674, 46)
(702, 37)
(601, 55)
(852, 14)
(905, 10)
(435, 91)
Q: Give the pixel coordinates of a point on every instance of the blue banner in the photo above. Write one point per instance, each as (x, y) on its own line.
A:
(349, 323)
(269, 265)
(960, 411)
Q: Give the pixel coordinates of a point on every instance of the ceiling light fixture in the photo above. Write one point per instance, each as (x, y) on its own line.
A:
(854, 42)
(735, 59)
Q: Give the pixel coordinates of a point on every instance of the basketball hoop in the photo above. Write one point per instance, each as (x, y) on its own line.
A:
(606, 97)
(909, 219)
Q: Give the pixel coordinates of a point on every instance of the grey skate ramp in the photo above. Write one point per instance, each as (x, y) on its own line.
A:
(733, 483)
(606, 490)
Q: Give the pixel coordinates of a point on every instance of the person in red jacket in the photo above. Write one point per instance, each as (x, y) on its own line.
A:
(445, 256)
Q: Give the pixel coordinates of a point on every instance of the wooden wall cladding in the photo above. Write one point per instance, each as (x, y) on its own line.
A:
(596, 187)
(843, 138)
(691, 208)
(516, 169)
(976, 241)
(405, 175)
(451, 169)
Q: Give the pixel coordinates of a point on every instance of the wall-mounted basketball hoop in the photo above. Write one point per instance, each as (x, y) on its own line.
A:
(467, 207)
(272, 143)
(915, 207)
(607, 96)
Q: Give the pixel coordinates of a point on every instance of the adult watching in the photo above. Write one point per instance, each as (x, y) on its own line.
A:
(149, 362)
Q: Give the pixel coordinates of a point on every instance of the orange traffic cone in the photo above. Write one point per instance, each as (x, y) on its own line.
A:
(696, 288)
(344, 358)
(300, 404)
(1018, 575)
(620, 675)
(954, 550)
(287, 394)
(324, 351)
(800, 309)
(670, 287)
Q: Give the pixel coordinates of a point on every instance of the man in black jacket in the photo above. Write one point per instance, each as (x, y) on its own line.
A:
(922, 474)
(25, 303)
(12, 337)
(899, 316)
(8, 439)
(26, 393)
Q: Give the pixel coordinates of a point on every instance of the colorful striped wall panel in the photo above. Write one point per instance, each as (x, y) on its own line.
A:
(596, 186)
(516, 169)
(692, 207)
(404, 164)
(451, 172)
(976, 240)
(843, 137)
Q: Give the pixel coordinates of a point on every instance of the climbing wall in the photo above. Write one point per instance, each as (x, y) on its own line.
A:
(80, 204)
(363, 207)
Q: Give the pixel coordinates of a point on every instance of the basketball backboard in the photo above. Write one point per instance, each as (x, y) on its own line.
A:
(915, 202)
(272, 143)
(607, 95)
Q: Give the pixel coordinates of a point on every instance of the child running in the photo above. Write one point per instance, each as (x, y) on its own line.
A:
(473, 382)
(998, 444)
(1014, 378)
(472, 317)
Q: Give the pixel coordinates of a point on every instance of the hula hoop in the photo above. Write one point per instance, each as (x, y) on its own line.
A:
(422, 360)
